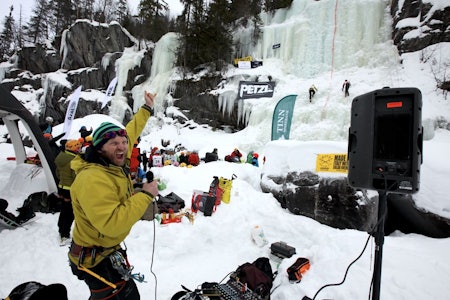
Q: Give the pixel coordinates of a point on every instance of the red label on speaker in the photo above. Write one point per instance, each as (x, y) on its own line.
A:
(394, 104)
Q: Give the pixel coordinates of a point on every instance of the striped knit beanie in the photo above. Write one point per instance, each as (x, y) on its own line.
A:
(98, 137)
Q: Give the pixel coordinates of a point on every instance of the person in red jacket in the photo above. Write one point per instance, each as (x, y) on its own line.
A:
(135, 160)
(235, 156)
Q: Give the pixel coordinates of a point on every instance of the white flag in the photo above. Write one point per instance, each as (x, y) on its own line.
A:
(109, 91)
(71, 110)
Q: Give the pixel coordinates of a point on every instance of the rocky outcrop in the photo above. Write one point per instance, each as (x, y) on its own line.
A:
(197, 103)
(432, 24)
(330, 201)
(85, 43)
(405, 216)
(39, 59)
(90, 51)
(418, 24)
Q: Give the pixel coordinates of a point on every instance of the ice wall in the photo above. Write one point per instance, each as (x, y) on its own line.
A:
(314, 36)
(159, 81)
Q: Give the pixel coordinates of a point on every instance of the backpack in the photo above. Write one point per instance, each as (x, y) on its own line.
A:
(225, 185)
(204, 202)
(194, 159)
(258, 276)
(215, 190)
(41, 202)
(170, 201)
(249, 157)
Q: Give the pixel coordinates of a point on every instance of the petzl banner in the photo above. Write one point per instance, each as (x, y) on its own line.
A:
(251, 89)
(332, 163)
(71, 110)
(282, 117)
(109, 91)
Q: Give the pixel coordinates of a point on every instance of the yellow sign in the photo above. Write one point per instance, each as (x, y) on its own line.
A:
(332, 163)
(247, 58)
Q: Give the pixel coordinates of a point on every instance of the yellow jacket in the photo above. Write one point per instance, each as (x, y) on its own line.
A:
(104, 206)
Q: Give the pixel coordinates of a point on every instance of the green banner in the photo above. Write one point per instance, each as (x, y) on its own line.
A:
(282, 117)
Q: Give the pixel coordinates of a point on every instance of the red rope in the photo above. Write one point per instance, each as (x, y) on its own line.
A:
(332, 52)
(334, 37)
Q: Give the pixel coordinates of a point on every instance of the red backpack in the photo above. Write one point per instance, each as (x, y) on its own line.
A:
(193, 159)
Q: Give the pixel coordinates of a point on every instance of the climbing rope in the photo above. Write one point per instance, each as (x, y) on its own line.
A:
(332, 57)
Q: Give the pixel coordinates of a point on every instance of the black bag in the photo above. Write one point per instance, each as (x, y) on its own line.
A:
(215, 191)
(41, 202)
(257, 275)
(170, 201)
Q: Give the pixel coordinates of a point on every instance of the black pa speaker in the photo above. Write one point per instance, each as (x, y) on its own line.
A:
(385, 140)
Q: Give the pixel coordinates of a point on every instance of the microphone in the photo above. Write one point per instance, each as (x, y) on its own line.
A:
(149, 175)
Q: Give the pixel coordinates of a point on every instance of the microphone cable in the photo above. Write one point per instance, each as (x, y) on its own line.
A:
(149, 176)
(153, 255)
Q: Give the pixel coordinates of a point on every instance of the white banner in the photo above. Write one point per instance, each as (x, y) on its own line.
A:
(109, 91)
(244, 64)
(70, 113)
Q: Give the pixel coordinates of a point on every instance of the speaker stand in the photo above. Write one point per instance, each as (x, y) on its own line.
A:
(379, 241)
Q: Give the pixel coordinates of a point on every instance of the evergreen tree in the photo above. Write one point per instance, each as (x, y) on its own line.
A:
(38, 28)
(244, 11)
(216, 37)
(239, 9)
(102, 10)
(255, 11)
(20, 31)
(7, 46)
(205, 31)
(153, 18)
(123, 11)
(63, 15)
(84, 9)
(190, 24)
(107, 11)
(272, 5)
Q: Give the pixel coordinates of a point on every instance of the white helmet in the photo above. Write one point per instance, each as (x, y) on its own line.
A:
(49, 119)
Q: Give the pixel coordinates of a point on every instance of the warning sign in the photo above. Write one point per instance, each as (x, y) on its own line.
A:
(332, 163)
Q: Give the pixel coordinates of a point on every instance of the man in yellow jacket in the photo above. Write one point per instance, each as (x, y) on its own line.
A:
(105, 208)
